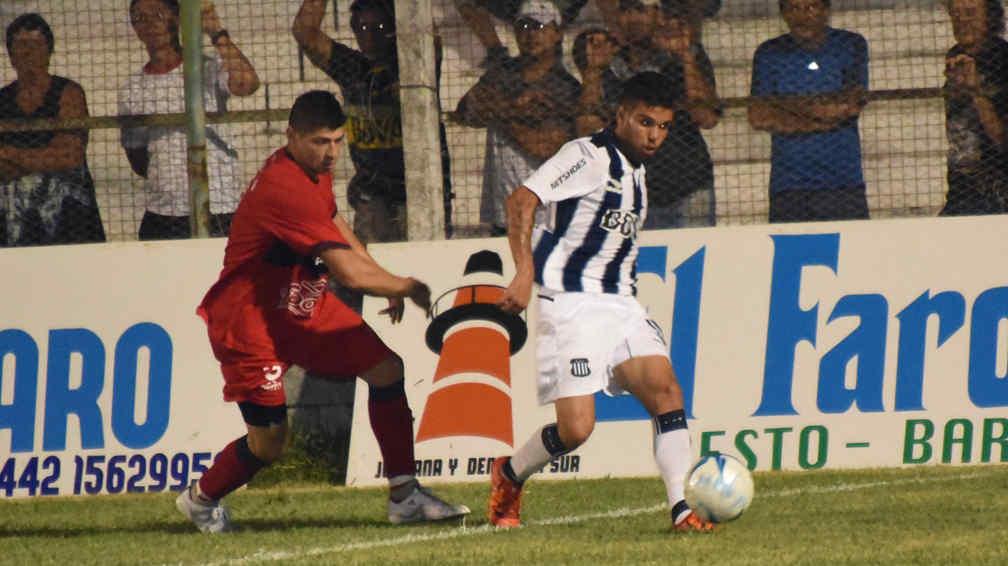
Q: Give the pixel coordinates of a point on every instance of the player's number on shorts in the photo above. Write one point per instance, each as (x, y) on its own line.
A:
(658, 331)
(273, 372)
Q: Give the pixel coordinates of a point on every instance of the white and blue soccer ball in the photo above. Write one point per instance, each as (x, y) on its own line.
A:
(719, 488)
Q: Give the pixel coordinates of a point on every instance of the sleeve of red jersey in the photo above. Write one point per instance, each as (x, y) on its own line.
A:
(300, 220)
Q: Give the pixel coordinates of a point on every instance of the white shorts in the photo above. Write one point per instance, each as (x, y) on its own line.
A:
(581, 337)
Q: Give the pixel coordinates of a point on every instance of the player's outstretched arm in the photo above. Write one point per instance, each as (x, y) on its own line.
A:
(521, 207)
(356, 271)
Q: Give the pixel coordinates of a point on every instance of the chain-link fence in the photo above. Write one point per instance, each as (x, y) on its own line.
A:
(851, 120)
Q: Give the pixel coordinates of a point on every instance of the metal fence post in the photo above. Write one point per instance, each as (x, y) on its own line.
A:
(192, 69)
(420, 120)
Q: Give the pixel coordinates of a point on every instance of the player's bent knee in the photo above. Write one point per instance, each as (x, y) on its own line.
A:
(267, 432)
(386, 372)
(574, 434)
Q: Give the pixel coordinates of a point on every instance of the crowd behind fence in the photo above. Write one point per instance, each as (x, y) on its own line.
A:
(883, 109)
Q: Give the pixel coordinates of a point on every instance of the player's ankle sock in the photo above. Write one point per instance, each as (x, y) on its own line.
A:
(392, 423)
(672, 452)
(537, 452)
(233, 468)
(400, 487)
(680, 511)
(508, 470)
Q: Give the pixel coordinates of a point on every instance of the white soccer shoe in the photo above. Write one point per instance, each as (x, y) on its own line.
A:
(422, 505)
(207, 518)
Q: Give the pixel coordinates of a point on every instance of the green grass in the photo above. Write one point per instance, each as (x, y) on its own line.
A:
(933, 515)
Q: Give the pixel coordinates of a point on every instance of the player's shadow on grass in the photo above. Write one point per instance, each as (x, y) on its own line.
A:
(251, 524)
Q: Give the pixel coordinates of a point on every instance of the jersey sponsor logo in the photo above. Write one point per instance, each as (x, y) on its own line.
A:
(579, 367)
(568, 173)
(303, 296)
(622, 222)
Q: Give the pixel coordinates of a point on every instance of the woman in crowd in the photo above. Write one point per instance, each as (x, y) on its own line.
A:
(47, 189)
(159, 154)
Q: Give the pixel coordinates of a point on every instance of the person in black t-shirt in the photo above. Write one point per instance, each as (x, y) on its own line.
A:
(369, 81)
(47, 195)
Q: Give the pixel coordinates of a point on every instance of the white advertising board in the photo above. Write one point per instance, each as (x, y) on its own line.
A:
(108, 382)
(836, 345)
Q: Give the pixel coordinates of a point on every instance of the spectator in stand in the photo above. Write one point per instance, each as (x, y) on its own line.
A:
(369, 81)
(680, 176)
(158, 153)
(48, 195)
(527, 106)
(809, 87)
(479, 16)
(976, 108)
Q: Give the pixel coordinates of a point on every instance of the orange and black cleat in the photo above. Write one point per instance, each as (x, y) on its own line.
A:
(691, 523)
(504, 508)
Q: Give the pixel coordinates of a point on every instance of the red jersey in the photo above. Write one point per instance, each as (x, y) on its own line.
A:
(272, 276)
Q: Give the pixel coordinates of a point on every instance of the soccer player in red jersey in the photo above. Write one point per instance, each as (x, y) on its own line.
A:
(271, 307)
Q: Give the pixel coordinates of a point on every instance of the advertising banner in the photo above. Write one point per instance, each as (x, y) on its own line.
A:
(807, 346)
(108, 382)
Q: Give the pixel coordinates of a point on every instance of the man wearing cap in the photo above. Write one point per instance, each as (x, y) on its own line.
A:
(660, 36)
(271, 308)
(479, 16)
(526, 104)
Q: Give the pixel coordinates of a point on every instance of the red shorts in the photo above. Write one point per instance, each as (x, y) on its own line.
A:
(255, 353)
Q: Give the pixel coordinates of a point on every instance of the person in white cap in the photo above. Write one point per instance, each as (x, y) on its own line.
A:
(527, 105)
(479, 16)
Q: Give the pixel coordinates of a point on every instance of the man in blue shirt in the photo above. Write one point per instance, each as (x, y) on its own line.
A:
(809, 89)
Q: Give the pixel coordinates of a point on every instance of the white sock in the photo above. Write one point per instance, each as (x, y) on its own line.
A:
(531, 457)
(672, 454)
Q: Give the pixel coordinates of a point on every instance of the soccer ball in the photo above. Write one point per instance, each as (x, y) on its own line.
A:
(719, 488)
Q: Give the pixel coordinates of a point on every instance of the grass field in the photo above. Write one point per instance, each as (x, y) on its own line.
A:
(933, 515)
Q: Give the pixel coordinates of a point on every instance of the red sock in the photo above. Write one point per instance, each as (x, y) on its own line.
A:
(392, 423)
(233, 468)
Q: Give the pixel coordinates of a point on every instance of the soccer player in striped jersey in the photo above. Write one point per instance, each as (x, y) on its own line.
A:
(572, 228)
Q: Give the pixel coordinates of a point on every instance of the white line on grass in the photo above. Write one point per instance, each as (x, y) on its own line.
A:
(279, 555)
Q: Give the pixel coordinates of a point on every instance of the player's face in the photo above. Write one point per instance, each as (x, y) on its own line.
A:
(154, 23)
(806, 19)
(316, 151)
(375, 33)
(642, 128)
(969, 22)
(29, 52)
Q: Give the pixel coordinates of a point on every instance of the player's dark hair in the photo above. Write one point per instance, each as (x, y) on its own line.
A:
(651, 88)
(30, 22)
(316, 110)
(781, 3)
